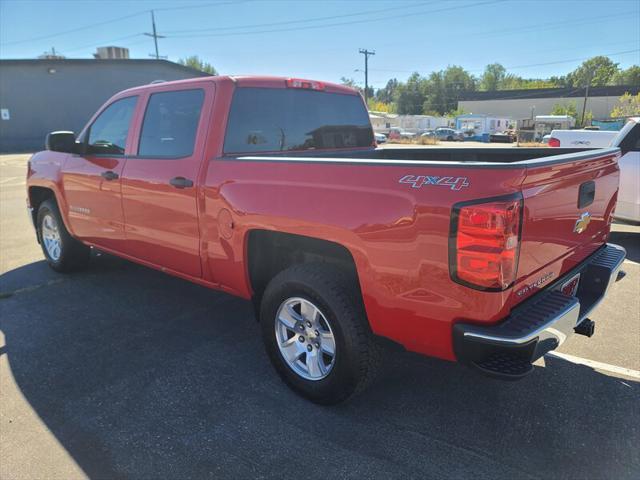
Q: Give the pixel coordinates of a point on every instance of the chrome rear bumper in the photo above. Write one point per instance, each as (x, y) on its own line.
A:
(540, 324)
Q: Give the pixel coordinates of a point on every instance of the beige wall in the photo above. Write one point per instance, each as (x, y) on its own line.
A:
(521, 108)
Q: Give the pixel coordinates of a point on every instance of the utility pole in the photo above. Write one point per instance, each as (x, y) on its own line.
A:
(154, 35)
(366, 54)
(586, 96)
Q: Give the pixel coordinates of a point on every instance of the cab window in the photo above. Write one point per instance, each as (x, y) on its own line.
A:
(108, 133)
(170, 124)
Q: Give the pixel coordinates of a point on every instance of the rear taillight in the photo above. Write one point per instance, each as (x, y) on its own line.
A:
(554, 142)
(308, 84)
(485, 243)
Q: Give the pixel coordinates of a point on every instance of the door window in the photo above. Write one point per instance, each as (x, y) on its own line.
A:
(108, 133)
(170, 124)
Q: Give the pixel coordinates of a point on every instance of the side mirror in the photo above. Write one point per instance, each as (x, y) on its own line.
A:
(61, 141)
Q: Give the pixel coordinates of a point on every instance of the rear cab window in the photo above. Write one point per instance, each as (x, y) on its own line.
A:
(278, 120)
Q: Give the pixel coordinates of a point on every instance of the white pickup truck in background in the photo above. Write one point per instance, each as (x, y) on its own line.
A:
(628, 139)
(581, 138)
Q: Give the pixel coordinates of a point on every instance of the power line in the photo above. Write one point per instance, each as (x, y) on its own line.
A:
(74, 30)
(515, 67)
(290, 22)
(125, 17)
(337, 24)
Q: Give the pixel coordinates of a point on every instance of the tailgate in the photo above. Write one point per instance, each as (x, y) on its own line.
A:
(567, 214)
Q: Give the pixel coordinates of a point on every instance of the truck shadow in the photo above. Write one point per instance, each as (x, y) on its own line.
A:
(630, 241)
(142, 375)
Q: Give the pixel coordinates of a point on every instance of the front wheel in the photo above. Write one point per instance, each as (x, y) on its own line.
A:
(62, 252)
(316, 333)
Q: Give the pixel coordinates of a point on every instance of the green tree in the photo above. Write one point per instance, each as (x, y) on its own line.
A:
(411, 95)
(597, 71)
(378, 106)
(456, 112)
(514, 82)
(196, 63)
(628, 106)
(566, 108)
(630, 76)
(444, 88)
(350, 82)
(492, 77)
(389, 92)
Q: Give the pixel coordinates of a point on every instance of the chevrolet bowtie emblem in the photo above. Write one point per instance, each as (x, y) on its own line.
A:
(582, 222)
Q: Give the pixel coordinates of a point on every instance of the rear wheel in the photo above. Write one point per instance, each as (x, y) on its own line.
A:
(316, 333)
(62, 252)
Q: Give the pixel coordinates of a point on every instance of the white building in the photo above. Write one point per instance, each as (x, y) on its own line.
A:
(383, 122)
(479, 126)
(415, 123)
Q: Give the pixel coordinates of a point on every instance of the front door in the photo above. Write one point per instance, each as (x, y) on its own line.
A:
(91, 181)
(159, 194)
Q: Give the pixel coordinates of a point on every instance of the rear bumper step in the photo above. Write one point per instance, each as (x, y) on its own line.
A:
(540, 324)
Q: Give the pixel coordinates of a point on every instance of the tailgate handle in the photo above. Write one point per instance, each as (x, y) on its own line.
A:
(586, 194)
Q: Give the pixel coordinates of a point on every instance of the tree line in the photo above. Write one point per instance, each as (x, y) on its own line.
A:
(438, 93)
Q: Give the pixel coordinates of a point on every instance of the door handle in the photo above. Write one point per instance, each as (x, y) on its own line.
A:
(109, 175)
(181, 182)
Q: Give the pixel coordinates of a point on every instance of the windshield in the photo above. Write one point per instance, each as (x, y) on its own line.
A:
(275, 120)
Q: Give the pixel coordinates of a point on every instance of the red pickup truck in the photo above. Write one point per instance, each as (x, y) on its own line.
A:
(273, 190)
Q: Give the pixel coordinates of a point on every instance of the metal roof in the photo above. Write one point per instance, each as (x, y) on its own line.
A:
(100, 61)
(608, 91)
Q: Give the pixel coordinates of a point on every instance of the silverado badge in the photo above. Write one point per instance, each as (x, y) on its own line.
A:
(582, 223)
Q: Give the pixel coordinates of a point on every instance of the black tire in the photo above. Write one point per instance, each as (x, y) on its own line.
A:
(449, 138)
(73, 255)
(357, 352)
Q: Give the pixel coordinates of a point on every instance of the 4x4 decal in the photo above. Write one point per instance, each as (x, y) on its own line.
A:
(417, 181)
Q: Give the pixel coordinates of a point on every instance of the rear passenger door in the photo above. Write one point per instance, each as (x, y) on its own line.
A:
(159, 182)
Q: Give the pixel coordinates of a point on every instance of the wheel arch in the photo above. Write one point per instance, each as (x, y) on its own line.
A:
(270, 252)
(39, 193)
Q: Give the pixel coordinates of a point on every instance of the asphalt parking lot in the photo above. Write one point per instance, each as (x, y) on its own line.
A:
(124, 372)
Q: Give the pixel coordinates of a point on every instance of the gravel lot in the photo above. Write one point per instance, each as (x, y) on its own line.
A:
(124, 372)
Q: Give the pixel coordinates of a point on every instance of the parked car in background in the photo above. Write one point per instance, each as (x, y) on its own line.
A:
(581, 138)
(449, 134)
(397, 134)
(508, 136)
(380, 137)
(628, 140)
(487, 256)
(428, 134)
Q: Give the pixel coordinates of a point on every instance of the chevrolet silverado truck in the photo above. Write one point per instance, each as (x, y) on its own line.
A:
(273, 190)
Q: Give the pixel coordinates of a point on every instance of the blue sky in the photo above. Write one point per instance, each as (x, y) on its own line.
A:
(320, 38)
